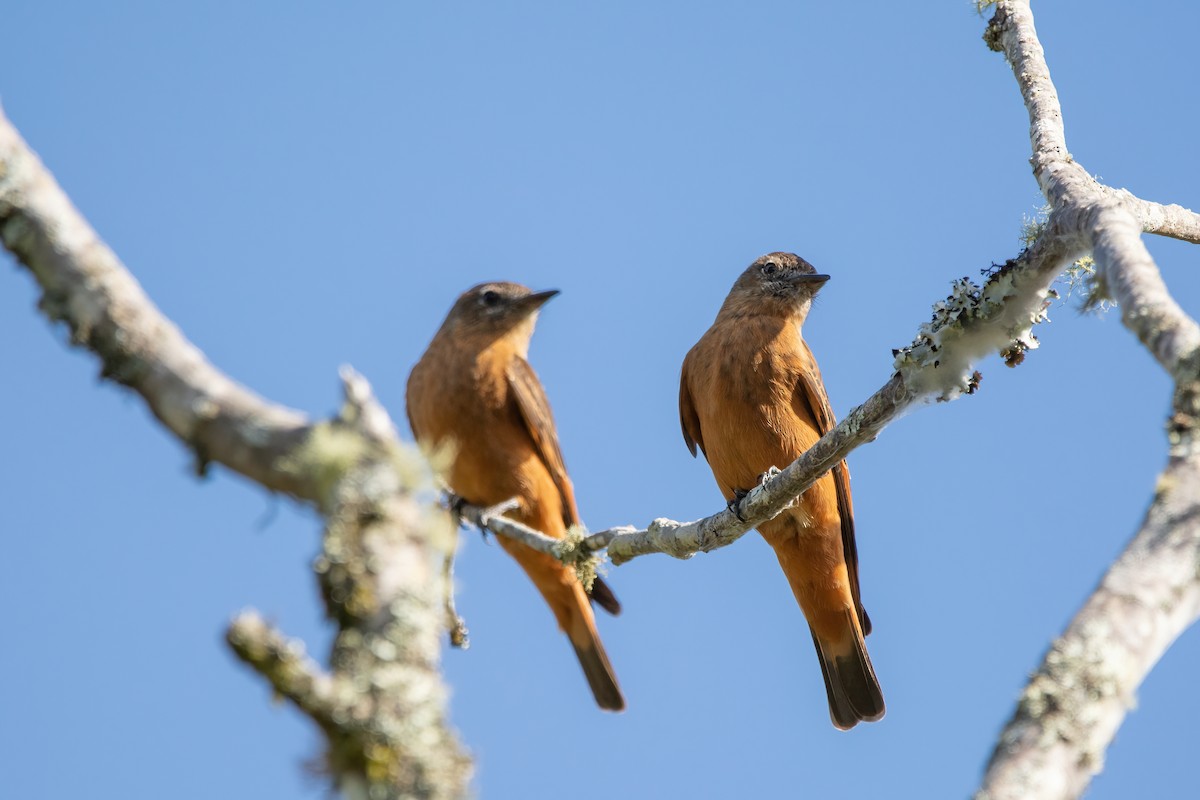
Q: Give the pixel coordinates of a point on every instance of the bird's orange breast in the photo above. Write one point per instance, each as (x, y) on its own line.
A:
(461, 401)
(742, 376)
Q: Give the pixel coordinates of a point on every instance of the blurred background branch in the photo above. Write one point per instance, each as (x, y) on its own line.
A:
(382, 705)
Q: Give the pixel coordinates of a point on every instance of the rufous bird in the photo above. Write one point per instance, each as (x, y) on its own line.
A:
(751, 398)
(474, 396)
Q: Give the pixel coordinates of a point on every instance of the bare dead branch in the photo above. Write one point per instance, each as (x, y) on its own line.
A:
(460, 637)
(1172, 220)
(380, 573)
(85, 286)
(939, 365)
(382, 568)
(1072, 707)
(283, 662)
(682, 540)
(382, 705)
(1129, 275)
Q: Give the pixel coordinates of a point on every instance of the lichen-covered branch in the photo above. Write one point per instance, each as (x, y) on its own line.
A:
(682, 540)
(86, 287)
(1072, 707)
(973, 322)
(285, 664)
(685, 539)
(380, 574)
(382, 703)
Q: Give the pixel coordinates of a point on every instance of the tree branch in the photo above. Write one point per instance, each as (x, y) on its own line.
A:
(939, 365)
(85, 286)
(1072, 707)
(1129, 275)
(1172, 220)
(382, 705)
(282, 661)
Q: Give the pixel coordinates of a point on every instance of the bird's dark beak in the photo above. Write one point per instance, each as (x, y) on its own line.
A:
(805, 277)
(538, 299)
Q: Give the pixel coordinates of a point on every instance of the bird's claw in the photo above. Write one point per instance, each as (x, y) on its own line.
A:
(735, 505)
(766, 476)
(739, 495)
(455, 505)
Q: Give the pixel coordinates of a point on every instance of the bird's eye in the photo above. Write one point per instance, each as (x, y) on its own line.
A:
(770, 268)
(490, 298)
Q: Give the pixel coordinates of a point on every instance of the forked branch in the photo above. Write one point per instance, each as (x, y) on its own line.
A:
(1071, 709)
(382, 704)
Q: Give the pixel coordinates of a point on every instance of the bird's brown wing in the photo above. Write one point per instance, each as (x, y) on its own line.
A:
(689, 420)
(810, 394)
(535, 410)
(408, 403)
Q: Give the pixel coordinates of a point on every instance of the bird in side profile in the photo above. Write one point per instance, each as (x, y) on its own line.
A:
(751, 398)
(474, 394)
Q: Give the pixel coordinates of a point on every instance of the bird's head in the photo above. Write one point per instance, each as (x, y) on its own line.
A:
(780, 284)
(498, 309)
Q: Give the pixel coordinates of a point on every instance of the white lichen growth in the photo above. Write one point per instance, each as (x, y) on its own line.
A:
(570, 551)
(1033, 226)
(972, 322)
(1081, 277)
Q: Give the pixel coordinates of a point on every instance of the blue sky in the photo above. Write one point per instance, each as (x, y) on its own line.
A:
(305, 185)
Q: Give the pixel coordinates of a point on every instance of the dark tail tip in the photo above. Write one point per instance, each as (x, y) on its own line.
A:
(602, 595)
(850, 683)
(600, 677)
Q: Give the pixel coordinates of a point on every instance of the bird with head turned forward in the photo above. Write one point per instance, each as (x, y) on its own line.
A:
(474, 395)
(751, 398)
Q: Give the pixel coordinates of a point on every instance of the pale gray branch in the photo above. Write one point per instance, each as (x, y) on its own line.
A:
(1071, 709)
(1077, 699)
(1172, 220)
(85, 286)
(685, 539)
(1002, 309)
(284, 663)
(1131, 277)
(382, 705)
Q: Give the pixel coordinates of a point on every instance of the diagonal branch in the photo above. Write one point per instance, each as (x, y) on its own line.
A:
(1073, 705)
(939, 365)
(382, 704)
(283, 662)
(86, 286)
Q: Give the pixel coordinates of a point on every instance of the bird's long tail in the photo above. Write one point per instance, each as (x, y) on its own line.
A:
(850, 682)
(573, 610)
(819, 577)
(597, 669)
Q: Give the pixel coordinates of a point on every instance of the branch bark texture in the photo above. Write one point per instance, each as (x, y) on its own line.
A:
(1075, 702)
(973, 322)
(382, 702)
